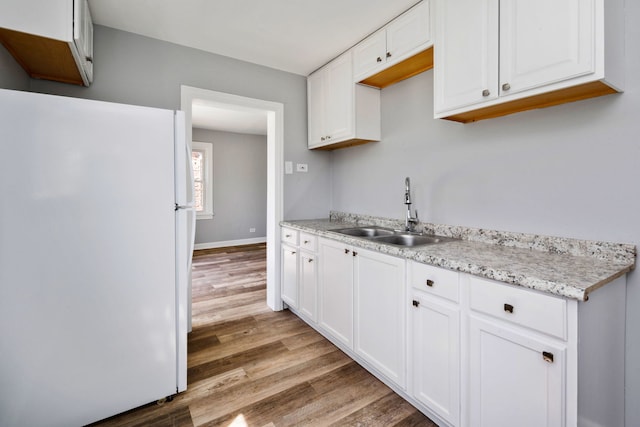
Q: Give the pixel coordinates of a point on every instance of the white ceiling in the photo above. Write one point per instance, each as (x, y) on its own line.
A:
(297, 36)
(205, 115)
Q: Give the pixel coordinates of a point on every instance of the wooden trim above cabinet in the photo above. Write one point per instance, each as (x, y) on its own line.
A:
(410, 67)
(41, 57)
(560, 96)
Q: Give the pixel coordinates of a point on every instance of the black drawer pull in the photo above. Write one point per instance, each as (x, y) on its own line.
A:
(508, 308)
(548, 357)
(430, 283)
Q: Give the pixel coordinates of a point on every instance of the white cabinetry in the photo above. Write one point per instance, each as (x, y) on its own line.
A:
(516, 371)
(380, 313)
(308, 277)
(341, 113)
(290, 276)
(434, 342)
(50, 39)
(514, 376)
(404, 37)
(465, 350)
(299, 276)
(524, 54)
(539, 360)
(336, 290)
(362, 305)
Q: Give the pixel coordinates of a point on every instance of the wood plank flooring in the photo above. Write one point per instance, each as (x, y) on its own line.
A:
(250, 366)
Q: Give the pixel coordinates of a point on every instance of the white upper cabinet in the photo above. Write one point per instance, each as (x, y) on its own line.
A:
(401, 39)
(466, 68)
(341, 113)
(50, 39)
(521, 54)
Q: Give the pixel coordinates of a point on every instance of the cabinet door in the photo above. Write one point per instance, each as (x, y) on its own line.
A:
(315, 108)
(408, 32)
(339, 101)
(514, 378)
(380, 313)
(289, 276)
(308, 285)
(545, 41)
(336, 290)
(83, 36)
(52, 19)
(466, 53)
(435, 344)
(369, 55)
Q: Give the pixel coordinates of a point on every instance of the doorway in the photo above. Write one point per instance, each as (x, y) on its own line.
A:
(275, 142)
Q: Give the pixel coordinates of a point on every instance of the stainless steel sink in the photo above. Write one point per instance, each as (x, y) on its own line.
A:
(369, 231)
(411, 239)
(391, 237)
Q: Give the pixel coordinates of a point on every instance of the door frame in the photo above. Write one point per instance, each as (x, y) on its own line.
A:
(275, 148)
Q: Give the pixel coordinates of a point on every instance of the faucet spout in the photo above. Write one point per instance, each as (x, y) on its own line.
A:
(410, 221)
(407, 191)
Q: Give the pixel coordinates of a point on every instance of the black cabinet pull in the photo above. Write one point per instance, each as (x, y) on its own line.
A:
(548, 357)
(430, 283)
(508, 308)
(346, 251)
(355, 253)
(416, 303)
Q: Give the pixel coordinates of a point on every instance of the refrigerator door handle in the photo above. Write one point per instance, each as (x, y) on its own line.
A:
(187, 206)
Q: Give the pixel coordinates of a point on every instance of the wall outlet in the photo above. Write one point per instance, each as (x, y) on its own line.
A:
(252, 230)
(302, 167)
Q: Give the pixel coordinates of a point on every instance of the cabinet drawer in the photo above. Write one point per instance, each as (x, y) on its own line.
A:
(289, 236)
(308, 242)
(434, 280)
(544, 313)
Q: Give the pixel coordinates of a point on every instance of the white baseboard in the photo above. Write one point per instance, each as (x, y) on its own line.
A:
(241, 242)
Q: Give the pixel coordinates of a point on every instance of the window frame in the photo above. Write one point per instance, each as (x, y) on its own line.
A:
(206, 148)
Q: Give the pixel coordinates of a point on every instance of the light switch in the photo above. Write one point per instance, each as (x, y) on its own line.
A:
(302, 167)
(288, 168)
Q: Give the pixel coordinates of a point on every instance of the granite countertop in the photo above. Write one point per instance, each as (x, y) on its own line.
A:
(559, 266)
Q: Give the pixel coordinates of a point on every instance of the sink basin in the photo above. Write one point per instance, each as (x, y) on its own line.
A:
(371, 231)
(391, 237)
(410, 239)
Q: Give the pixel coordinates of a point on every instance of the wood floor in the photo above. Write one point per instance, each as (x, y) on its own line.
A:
(249, 366)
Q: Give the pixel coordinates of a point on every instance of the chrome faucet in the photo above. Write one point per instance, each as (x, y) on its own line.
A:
(410, 221)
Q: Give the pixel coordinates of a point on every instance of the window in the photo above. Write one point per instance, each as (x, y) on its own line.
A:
(201, 158)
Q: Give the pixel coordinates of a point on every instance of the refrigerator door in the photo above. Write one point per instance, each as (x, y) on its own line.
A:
(185, 238)
(87, 259)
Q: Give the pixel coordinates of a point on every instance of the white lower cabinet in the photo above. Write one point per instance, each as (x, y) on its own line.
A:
(289, 290)
(336, 290)
(514, 378)
(362, 305)
(465, 350)
(435, 340)
(308, 285)
(299, 272)
(380, 313)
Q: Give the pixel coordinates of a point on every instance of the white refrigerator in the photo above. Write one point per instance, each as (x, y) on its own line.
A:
(96, 236)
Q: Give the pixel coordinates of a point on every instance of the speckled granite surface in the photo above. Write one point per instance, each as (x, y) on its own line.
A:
(566, 267)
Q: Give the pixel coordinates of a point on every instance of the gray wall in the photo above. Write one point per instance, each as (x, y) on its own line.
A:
(571, 170)
(139, 70)
(239, 187)
(12, 76)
